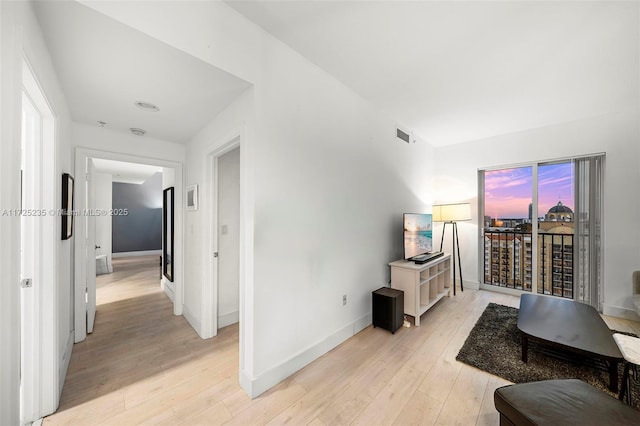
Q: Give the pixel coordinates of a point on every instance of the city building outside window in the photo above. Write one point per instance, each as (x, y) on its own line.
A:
(542, 228)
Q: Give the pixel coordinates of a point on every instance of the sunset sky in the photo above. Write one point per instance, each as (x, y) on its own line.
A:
(508, 191)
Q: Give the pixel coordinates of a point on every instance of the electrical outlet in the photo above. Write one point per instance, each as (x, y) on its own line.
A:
(344, 300)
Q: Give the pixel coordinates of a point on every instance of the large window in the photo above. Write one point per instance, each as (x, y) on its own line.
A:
(541, 230)
(507, 211)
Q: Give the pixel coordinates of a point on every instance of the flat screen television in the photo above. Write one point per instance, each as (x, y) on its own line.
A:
(417, 234)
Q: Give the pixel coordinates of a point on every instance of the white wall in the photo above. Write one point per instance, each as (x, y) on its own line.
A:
(21, 36)
(237, 118)
(616, 134)
(109, 140)
(331, 184)
(103, 193)
(324, 187)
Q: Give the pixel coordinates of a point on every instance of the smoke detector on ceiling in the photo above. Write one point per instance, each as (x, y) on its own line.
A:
(137, 132)
(146, 106)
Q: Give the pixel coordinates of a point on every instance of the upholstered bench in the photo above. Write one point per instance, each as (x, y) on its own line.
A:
(561, 402)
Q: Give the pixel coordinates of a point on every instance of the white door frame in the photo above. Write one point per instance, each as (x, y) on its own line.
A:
(90, 246)
(41, 384)
(14, 55)
(81, 155)
(210, 290)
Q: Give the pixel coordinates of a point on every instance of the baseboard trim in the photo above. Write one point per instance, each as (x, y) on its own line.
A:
(192, 320)
(620, 312)
(254, 386)
(168, 289)
(246, 382)
(64, 365)
(228, 319)
(472, 285)
(498, 289)
(137, 253)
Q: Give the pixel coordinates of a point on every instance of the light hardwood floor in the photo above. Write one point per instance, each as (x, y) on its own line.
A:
(142, 365)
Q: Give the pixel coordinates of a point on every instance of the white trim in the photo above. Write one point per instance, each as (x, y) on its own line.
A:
(275, 375)
(535, 242)
(362, 323)
(66, 359)
(471, 285)
(43, 363)
(168, 288)
(228, 319)
(137, 253)
(81, 154)
(246, 382)
(504, 290)
(548, 160)
(192, 320)
(620, 312)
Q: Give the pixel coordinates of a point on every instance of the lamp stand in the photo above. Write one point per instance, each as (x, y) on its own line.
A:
(456, 249)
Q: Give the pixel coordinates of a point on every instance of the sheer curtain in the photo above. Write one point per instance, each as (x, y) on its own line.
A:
(588, 233)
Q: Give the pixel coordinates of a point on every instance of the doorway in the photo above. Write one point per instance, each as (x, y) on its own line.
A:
(86, 260)
(228, 236)
(222, 301)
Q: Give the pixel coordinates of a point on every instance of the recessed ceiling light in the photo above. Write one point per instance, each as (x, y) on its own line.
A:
(137, 132)
(146, 106)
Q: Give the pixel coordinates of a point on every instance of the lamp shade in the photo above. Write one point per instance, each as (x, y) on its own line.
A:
(451, 212)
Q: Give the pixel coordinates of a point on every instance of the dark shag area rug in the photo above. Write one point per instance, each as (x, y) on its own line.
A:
(494, 346)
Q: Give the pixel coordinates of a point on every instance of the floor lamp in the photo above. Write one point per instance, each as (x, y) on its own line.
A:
(452, 213)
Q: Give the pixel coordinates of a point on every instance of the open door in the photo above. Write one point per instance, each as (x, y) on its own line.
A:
(90, 247)
(39, 366)
(29, 263)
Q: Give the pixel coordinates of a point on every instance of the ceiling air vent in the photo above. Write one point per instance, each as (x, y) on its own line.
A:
(403, 134)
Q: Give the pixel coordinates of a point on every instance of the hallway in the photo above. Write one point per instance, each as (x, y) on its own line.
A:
(142, 363)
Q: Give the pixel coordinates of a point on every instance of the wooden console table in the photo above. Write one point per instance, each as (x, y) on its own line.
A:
(423, 284)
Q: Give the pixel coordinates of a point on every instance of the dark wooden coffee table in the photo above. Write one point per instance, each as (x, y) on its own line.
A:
(569, 325)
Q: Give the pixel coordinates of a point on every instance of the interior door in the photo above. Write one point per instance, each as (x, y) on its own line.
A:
(90, 248)
(29, 263)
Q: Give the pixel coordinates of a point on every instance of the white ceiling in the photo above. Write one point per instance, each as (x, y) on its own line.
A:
(125, 172)
(104, 67)
(460, 71)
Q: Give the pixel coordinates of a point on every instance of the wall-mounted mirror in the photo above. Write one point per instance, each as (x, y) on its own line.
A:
(167, 233)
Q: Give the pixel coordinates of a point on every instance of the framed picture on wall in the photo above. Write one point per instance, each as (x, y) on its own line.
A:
(67, 206)
(192, 197)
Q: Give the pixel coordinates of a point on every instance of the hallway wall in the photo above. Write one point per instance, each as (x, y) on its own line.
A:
(141, 228)
(324, 186)
(20, 36)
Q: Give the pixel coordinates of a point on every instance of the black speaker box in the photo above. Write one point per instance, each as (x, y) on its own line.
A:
(388, 308)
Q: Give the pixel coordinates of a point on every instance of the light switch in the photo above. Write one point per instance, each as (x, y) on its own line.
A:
(224, 229)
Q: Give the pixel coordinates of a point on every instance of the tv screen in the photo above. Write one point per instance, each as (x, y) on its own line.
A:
(417, 234)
